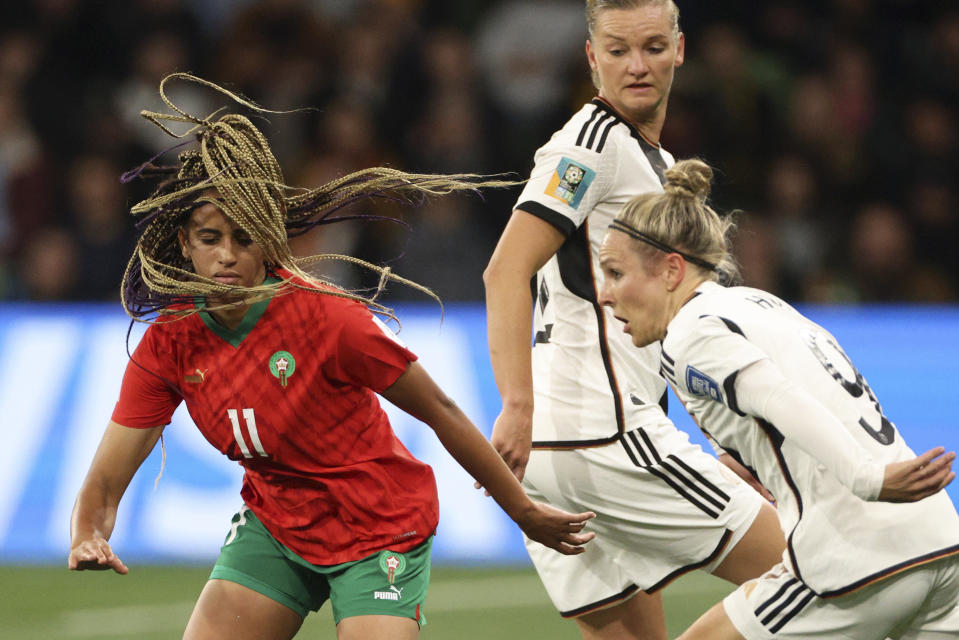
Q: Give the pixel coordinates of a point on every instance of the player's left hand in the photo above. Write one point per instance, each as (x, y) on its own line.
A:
(912, 480)
(555, 528)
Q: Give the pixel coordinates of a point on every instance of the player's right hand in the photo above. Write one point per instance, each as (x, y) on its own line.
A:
(912, 480)
(555, 528)
(95, 554)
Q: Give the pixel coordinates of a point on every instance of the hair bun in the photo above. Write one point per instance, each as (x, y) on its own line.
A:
(689, 179)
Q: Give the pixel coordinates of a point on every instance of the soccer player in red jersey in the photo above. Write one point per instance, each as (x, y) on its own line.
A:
(280, 372)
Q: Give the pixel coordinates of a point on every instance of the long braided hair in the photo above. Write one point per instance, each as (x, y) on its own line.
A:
(234, 168)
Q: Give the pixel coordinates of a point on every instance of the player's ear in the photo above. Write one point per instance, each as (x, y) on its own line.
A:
(674, 270)
(590, 55)
(680, 50)
(184, 245)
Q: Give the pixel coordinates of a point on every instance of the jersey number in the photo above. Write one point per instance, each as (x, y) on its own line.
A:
(250, 420)
(829, 354)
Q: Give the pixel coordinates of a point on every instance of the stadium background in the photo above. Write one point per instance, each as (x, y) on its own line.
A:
(834, 125)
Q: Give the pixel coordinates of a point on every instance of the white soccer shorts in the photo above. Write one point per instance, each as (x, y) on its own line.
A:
(918, 604)
(663, 508)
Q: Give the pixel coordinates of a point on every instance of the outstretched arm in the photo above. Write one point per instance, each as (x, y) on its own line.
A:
(525, 246)
(417, 394)
(121, 452)
(763, 391)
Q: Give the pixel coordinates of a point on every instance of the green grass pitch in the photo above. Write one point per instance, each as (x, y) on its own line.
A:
(154, 602)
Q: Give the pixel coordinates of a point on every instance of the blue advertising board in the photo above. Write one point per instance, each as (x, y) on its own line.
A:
(60, 372)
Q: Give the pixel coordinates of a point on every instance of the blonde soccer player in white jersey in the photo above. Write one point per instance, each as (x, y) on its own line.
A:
(873, 541)
(583, 419)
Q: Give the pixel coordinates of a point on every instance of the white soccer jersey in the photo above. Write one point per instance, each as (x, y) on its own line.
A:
(590, 383)
(837, 542)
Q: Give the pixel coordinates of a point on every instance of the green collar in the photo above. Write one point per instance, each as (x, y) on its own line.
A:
(235, 336)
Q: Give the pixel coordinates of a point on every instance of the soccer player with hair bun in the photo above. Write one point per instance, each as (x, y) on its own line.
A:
(873, 540)
(280, 370)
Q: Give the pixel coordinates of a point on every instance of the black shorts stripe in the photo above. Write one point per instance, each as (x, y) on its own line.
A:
(776, 596)
(702, 479)
(709, 511)
(789, 596)
(647, 461)
(793, 612)
(667, 358)
(668, 369)
(693, 487)
(649, 443)
(582, 132)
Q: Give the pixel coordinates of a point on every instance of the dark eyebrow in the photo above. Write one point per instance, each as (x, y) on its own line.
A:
(208, 230)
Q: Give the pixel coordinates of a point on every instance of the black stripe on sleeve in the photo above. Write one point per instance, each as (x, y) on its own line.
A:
(592, 135)
(541, 211)
(669, 378)
(602, 139)
(582, 132)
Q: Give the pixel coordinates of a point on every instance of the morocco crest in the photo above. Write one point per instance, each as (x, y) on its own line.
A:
(393, 564)
(282, 366)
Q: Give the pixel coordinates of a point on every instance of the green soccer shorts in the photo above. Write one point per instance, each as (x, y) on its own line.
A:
(383, 583)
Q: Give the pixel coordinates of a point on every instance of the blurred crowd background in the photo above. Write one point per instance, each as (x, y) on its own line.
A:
(833, 124)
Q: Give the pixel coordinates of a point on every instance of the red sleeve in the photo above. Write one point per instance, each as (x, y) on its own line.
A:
(365, 352)
(147, 399)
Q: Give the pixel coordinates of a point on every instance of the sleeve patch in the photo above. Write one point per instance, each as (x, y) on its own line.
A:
(569, 182)
(699, 384)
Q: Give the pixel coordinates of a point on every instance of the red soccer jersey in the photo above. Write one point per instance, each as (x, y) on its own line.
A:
(289, 394)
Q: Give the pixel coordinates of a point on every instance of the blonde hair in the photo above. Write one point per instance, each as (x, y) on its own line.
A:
(595, 7)
(235, 169)
(680, 220)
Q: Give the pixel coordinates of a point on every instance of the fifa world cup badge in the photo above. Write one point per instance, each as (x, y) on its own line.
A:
(282, 366)
(392, 563)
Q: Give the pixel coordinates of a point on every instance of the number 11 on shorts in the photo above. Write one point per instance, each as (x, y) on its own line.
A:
(250, 420)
